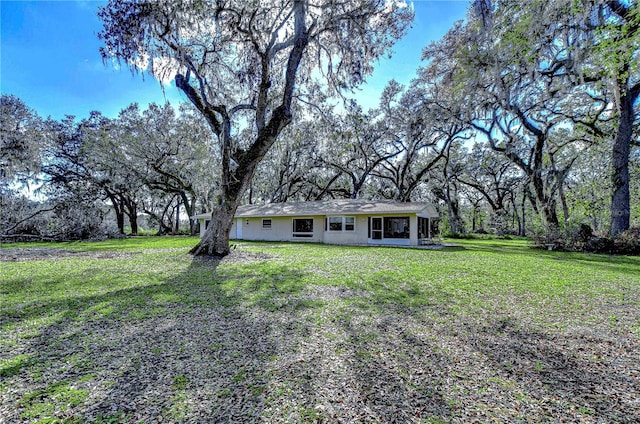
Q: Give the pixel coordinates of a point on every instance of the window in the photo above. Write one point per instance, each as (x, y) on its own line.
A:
(266, 224)
(340, 223)
(303, 227)
(396, 227)
(349, 223)
(335, 223)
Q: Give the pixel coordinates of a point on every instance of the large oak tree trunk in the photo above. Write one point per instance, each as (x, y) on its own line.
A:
(550, 213)
(215, 241)
(455, 223)
(620, 200)
(133, 222)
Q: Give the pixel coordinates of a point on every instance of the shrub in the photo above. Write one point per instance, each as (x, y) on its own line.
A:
(582, 238)
(571, 238)
(599, 244)
(628, 242)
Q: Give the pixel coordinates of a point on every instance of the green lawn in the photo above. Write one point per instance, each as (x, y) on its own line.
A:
(135, 330)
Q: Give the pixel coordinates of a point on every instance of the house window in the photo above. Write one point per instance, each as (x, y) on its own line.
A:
(396, 227)
(349, 223)
(266, 224)
(340, 223)
(335, 223)
(303, 227)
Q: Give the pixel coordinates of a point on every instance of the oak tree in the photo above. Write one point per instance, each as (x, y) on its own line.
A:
(244, 64)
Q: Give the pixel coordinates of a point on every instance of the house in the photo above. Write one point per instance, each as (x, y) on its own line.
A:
(343, 221)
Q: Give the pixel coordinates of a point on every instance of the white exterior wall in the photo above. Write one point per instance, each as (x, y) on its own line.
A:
(281, 229)
(358, 236)
(234, 230)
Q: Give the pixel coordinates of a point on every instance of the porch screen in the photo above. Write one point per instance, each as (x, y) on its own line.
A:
(396, 227)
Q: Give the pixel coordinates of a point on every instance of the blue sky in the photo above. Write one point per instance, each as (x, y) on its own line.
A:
(49, 58)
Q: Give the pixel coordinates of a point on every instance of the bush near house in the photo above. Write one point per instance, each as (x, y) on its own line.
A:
(583, 239)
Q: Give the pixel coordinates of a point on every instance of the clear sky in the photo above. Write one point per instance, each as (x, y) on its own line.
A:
(49, 58)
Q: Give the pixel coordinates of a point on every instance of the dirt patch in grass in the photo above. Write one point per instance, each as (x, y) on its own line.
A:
(45, 253)
(234, 257)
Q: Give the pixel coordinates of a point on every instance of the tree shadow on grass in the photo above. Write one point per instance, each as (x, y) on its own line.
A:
(452, 366)
(184, 350)
(399, 373)
(251, 341)
(218, 342)
(592, 376)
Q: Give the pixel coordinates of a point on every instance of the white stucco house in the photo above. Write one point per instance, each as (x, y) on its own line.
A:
(343, 221)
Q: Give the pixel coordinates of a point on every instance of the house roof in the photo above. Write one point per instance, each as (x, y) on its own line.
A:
(335, 207)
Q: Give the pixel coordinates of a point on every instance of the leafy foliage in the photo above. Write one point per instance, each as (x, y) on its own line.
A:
(244, 68)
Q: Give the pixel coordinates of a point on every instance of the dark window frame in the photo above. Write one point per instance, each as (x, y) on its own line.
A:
(341, 226)
(298, 232)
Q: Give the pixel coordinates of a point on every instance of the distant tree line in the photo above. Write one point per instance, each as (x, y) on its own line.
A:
(97, 177)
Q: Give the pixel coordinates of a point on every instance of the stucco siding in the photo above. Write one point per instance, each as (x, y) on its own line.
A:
(281, 229)
(341, 222)
(233, 231)
(357, 236)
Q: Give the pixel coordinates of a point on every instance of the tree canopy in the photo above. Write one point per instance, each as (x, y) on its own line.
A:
(243, 65)
(523, 119)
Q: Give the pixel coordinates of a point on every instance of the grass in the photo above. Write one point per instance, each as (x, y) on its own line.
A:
(78, 331)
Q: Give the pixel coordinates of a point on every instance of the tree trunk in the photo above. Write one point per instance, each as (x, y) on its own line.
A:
(474, 213)
(164, 227)
(176, 229)
(453, 211)
(133, 221)
(120, 220)
(548, 203)
(565, 206)
(550, 214)
(215, 241)
(523, 227)
(119, 211)
(191, 209)
(131, 209)
(620, 200)
(516, 215)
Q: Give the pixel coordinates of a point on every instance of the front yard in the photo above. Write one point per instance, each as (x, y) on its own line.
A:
(138, 331)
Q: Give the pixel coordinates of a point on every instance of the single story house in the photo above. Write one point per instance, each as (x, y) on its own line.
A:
(343, 221)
